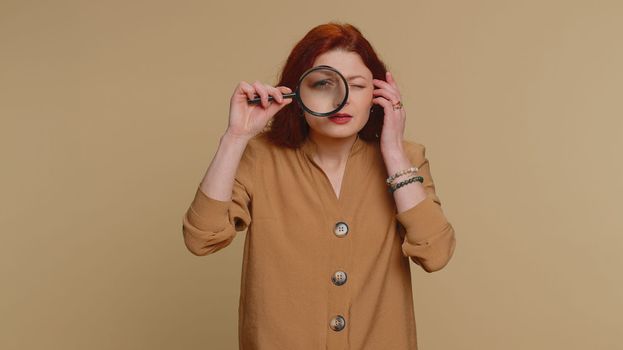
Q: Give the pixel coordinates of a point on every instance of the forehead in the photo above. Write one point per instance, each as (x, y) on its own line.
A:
(346, 62)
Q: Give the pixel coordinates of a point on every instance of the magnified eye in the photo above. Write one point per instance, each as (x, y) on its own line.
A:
(323, 84)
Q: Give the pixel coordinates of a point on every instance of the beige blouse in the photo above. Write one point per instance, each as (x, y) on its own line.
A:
(318, 271)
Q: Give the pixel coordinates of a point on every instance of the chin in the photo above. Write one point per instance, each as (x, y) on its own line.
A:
(338, 134)
(337, 131)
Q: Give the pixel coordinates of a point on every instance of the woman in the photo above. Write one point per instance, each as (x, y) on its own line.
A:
(326, 255)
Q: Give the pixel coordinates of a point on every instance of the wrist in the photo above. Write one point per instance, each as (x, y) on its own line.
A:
(233, 137)
(396, 161)
(390, 147)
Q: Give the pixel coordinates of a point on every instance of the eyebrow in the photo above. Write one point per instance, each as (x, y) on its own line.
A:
(355, 77)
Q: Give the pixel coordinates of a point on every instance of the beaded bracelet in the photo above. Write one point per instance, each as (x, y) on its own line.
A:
(400, 173)
(393, 188)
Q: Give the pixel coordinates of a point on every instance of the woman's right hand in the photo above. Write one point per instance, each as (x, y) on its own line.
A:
(245, 119)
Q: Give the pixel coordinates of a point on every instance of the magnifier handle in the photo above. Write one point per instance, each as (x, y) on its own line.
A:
(270, 98)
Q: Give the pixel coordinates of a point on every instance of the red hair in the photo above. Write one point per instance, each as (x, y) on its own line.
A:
(288, 127)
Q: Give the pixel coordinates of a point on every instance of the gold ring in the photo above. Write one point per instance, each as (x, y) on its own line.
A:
(397, 105)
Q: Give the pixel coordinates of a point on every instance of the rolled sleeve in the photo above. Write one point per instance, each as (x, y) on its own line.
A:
(205, 225)
(208, 224)
(208, 214)
(429, 238)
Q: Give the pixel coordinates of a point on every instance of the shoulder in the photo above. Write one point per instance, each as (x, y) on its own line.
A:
(416, 152)
(253, 156)
(258, 145)
(260, 149)
(262, 146)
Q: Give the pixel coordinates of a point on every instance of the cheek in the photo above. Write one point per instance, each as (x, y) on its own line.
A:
(309, 119)
(370, 93)
(312, 121)
(364, 99)
(363, 96)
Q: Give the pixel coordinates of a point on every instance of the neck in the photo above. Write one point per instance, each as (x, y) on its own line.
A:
(332, 151)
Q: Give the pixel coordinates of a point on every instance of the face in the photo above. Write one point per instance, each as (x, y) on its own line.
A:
(359, 101)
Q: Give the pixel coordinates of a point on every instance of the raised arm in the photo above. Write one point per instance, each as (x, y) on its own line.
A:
(429, 238)
(221, 203)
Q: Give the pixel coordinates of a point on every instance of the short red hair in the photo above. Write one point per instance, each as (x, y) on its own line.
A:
(288, 127)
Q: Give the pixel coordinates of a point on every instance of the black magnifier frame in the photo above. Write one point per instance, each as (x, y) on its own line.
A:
(297, 95)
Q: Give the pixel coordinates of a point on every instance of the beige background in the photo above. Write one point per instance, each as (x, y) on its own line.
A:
(111, 112)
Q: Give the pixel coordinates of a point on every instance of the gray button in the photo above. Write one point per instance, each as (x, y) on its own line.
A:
(341, 229)
(339, 278)
(337, 323)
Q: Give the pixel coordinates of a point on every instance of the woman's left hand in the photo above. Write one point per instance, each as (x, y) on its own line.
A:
(388, 96)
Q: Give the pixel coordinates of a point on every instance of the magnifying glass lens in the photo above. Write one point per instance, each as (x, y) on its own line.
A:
(322, 91)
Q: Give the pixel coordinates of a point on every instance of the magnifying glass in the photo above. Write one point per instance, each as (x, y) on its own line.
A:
(321, 91)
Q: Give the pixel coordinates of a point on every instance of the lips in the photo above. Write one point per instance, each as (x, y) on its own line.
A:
(341, 115)
(341, 118)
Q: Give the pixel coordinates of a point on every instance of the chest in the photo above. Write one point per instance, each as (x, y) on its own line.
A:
(335, 175)
(300, 204)
(293, 186)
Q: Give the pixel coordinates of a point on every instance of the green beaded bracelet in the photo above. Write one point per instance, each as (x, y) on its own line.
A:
(393, 188)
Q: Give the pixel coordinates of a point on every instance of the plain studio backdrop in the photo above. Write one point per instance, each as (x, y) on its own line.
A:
(111, 112)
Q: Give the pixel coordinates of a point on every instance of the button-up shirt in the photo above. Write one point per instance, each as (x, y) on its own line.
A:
(322, 271)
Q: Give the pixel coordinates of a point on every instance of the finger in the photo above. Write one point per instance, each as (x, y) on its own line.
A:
(275, 107)
(275, 93)
(383, 102)
(260, 89)
(391, 80)
(391, 97)
(388, 106)
(284, 89)
(385, 85)
(247, 89)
